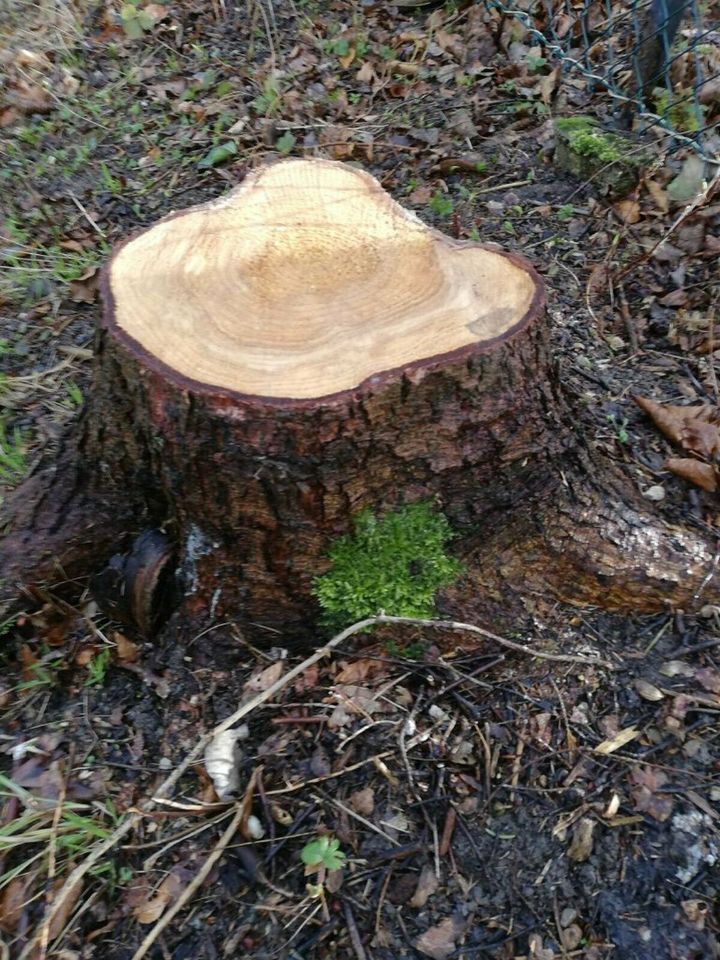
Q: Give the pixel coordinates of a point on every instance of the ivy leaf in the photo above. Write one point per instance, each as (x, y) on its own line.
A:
(285, 143)
(219, 154)
(133, 29)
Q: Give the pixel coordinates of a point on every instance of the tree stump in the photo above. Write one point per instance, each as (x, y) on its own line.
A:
(272, 363)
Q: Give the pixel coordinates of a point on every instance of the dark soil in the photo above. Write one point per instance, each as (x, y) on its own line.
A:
(480, 769)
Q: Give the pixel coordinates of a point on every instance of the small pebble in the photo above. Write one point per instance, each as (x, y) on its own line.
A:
(656, 493)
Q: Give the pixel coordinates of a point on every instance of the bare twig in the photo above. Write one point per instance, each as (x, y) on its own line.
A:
(87, 216)
(163, 791)
(52, 851)
(167, 785)
(194, 884)
(708, 193)
(353, 931)
(510, 644)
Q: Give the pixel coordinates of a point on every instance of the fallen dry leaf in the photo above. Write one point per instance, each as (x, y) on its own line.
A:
(703, 475)
(60, 919)
(125, 649)
(363, 801)
(646, 782)
(676, 298)
(537, 950)
(366, 73)
(571, 936)
(660, 198)
(14, 900)
(709, 679)
(307, 680)
(439, 941)
(262, 681)
(696, 428)
(627, 210)
(358, 670)
(548, 85)
(85, 288)
(426, 886)
(619, 740)
(152, 909)
(582, 841)
(696, 911)
(675, 668)
(648, 691)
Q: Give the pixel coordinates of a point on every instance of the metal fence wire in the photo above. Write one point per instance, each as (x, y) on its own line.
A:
(659, 60)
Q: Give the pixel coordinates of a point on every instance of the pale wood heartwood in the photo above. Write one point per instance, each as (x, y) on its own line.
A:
(305, 281)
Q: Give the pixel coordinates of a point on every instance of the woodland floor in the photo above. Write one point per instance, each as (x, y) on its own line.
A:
(490, 804)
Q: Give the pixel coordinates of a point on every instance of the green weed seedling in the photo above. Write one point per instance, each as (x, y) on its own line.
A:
(12, 454)
(323, 853)
(440, 204)
(395, 564)
(98, 668)
(135, 20)
(320, 857)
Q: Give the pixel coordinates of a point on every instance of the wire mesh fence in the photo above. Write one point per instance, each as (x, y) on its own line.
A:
(659, 60)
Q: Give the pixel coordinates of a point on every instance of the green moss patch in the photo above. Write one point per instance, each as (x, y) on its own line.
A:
(395, 564)
(611, 161)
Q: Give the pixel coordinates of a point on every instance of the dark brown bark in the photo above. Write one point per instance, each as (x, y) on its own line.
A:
(250, 491)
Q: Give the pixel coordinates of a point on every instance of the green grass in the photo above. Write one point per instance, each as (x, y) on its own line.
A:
(98, 668)
(24, 841)
(13, 465)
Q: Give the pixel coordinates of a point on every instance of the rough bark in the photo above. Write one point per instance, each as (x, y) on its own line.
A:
(249, 490)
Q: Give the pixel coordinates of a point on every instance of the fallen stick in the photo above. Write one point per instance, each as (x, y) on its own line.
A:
(166, 786)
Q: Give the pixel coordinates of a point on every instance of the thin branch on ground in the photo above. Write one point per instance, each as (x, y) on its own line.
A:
(510, 644)
(136, 815)
(163, 791)
(712, 187)
(196, 882)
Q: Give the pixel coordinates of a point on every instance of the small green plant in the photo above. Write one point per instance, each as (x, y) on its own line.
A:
(441, 204)
(135, 21)
(322, 854)
(219, 154)
(39, 675)
(338, 46)
(536, 64)
(74, 392)
(111, 184)
(396, 564)
(25, 840)
(619, 425)
(268, 103)
(285, 143)
(12, 454)
(566, 211)
(98, 668)
(409, 651)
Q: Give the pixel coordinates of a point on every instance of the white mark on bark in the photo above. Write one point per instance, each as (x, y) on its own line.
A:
(196, 545)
